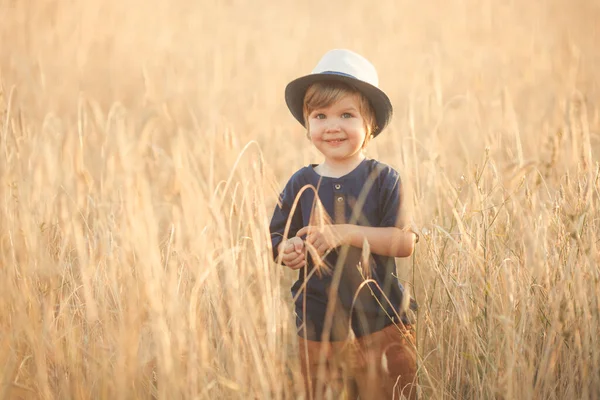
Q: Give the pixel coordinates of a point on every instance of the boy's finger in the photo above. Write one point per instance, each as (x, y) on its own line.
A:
(298, 266)
(312, 236)
(298, 245)
(292, 259)
(304, 231)
(323, 248)
(289, 256)
(297, 260)
(317, 242)
(289, 247)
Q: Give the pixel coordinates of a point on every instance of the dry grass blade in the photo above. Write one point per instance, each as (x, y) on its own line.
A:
(144, 143)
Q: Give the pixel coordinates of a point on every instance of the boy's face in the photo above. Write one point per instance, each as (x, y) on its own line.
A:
(338, 131)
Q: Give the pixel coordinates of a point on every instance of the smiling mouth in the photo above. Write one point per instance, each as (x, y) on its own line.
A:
(335, 141)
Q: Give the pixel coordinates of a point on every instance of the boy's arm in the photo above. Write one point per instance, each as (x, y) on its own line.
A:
(282, 213)
(385, 241)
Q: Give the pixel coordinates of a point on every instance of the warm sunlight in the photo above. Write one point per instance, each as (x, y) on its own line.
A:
(144, 145)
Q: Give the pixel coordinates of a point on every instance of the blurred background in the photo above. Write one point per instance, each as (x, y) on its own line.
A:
(230, 60)
(124, 128)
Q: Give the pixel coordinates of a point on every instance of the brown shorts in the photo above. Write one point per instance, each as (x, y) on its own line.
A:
(381, 365)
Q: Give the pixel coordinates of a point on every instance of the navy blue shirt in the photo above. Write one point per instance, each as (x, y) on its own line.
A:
(370, 195)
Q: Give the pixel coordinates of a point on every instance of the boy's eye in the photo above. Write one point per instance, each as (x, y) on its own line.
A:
(320, 116)
(346, 115)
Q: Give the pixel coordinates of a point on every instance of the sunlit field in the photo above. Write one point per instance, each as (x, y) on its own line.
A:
(143, 145)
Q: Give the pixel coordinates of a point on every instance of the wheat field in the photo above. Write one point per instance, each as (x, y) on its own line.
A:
(144, 143)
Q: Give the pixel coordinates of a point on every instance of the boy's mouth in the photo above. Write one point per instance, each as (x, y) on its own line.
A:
(335, 141)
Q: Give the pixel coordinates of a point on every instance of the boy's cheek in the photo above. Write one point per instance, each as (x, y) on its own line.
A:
(314, 125)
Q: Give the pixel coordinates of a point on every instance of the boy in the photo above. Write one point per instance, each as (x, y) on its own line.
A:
(339, 223)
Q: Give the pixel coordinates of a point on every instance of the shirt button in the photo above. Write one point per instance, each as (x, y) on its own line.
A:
(338, 186)
(340, 199)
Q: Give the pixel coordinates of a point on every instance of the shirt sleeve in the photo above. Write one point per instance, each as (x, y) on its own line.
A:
(283, 212)
(391, 199)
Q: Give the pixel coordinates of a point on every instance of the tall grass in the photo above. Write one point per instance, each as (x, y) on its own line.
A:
(143, 145)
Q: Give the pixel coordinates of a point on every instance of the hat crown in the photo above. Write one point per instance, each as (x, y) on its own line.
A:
(346, 62)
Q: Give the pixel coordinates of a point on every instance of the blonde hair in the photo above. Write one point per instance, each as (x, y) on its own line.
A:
(324, 94)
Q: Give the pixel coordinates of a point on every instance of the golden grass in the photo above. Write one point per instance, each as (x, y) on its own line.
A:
(143, 145)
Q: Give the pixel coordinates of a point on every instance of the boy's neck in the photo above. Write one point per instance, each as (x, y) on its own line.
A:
(336, 169)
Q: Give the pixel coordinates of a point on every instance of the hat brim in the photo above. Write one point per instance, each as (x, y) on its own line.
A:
(296, 89)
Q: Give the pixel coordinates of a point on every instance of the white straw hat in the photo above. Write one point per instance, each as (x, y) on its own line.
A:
(348, 67)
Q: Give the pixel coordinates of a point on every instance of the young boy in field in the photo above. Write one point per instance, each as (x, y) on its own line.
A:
(340, 224)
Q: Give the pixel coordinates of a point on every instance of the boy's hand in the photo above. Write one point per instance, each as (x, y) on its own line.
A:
(292, 253)
(323, 238)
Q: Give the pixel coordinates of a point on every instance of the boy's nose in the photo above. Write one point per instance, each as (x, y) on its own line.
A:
(332, 126)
